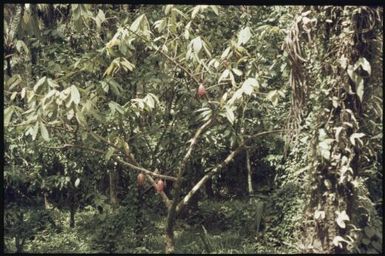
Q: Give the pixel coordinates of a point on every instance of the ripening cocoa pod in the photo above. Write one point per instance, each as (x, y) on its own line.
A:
(201, 90)
(159, 186)
(140, 179)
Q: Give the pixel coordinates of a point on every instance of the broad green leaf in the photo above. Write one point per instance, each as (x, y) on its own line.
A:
(364, 63)
(168, 8)
(13, 96)
(179, 12)
(244, 36)
(23, 91)
(273, 97)
(35, 130)
(252, 82)
(44, 131)
(105, 86)
(21, 45)
(237, 95)
(160, 25)
(39, 83)
(8, 115)
(115, 87)
(338, 131)
(75, 95)
(77, 182)
(135, 25)
(225, 53)
(101, 16)
(229, 115)
(337, 241)
(215, 9)
(207, 52)
(150, 102)
(358, 80)
(237, 71)
(13, 81)
(355, 136)
(197, 44)
(341, 218)
(224, 75)
(126, 64)
(360, 90)
(343, 61)
(81, 119)
(195, 11)
(319, 215)
(232, 79)
(70, 114)
(52, 83)
(324, 148)
(109, 153)
(247, 89)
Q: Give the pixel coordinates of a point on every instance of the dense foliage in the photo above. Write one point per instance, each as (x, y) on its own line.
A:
(192, 129)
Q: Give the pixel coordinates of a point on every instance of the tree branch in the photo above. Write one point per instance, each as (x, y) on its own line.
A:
(165, 55)
(116, 157)
(218, 168)
(177, 186)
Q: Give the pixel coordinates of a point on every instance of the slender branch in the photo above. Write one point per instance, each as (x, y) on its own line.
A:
(177, 186)
(165, 55)
(250, 137)
(205, 178)
(218, 168)
(145, 171)
(163, 195)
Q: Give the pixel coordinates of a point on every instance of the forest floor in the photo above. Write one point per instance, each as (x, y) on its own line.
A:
(217, 227)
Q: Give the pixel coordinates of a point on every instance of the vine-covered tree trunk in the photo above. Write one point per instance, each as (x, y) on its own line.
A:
(334, 221)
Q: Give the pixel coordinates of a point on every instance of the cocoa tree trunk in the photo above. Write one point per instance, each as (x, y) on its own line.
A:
(113, 184)
(72, 216)
(249, 174)
(72, 206)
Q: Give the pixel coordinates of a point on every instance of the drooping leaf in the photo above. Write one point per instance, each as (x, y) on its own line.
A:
(77, 182)
(44, 131)
(197, 44)
(225, 53)
(215, 9)
(337, 241)
(135, 25)
(360, 90)
(8, 115)
(364, 63)
(109, 153)
(244, 36)
(341, 218)
(355, 136)
(229, 115)
(273, 97)
(237, 71)
(75, 95)
(35, 130)
(338, 131)
(39, 83)
(358, 80)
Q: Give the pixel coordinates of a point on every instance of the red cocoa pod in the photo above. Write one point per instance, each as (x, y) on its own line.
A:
(201, 90)
(140, 179)
(159, 186)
